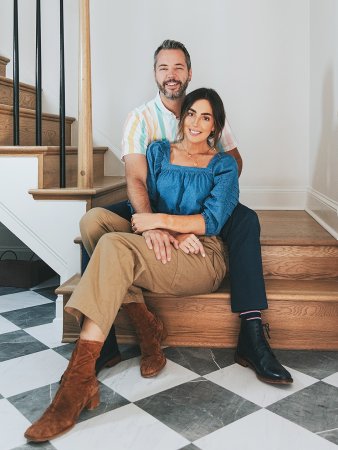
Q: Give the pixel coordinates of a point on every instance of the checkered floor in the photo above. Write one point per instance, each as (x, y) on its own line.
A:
(201, 400)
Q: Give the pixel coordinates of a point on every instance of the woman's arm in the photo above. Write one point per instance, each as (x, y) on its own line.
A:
(216, 210)
(181, 224)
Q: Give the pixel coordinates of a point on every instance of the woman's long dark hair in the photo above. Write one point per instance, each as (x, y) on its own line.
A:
(218, 112)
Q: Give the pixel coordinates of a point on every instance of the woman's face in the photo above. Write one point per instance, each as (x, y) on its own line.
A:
(199, 122)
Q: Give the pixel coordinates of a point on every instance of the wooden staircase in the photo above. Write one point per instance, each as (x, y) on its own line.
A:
(45, 186)
(300, 262)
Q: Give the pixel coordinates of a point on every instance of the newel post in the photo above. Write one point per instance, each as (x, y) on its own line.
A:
(85, 137)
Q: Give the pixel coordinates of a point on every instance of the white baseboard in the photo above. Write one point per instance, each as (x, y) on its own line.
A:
(272, 198)
(324, 210)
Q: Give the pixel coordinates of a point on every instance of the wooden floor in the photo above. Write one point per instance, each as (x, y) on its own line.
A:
(300, 263)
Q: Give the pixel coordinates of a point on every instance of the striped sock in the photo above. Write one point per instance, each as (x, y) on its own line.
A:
(250, 315)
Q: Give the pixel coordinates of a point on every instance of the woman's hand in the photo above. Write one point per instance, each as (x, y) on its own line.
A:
(190, 243)
(141, 222)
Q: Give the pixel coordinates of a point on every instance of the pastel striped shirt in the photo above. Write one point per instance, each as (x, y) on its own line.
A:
(152, 122)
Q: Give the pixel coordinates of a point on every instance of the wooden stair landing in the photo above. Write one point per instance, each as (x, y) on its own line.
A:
(303, 301)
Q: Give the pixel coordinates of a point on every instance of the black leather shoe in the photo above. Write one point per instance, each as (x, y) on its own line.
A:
(110, 354)
(254, 351)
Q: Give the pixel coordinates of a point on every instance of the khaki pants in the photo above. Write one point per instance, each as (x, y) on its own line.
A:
(121, 265)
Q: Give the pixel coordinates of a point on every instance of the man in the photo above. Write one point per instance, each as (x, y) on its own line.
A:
(158, 119)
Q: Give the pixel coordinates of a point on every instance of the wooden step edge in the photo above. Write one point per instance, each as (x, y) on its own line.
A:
(289, 241)
(277, 290)
(25, 112)
(4, 60)
(10, 150)
(23, 86)
(68, 286)
(101, 186)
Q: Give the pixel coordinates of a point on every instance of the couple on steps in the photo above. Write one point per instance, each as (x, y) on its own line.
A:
(182, 168)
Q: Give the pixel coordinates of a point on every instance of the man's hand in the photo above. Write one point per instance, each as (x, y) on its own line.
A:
(141, 222)
(160, 241)
(190, 243)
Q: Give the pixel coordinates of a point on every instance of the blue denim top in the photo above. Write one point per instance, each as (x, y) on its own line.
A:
(211, 191)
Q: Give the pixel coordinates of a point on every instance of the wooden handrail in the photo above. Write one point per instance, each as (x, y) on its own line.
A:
(85, 138)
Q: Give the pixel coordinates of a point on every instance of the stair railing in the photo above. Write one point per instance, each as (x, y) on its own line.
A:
(85, 138)
(16, 85)
(62, 108)
(38, 77)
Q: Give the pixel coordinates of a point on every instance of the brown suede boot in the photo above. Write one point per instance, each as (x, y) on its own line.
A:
(79, 389)
(151, 332)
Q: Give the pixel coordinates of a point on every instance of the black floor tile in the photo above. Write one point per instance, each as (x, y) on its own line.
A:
(18, 343)
(201, 360)
(33, 403)
(314, 408)
(197, 408)
(32, 316)
(317, 364)
(10, 290)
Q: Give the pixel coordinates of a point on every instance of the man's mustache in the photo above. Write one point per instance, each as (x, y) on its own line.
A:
(172, 80)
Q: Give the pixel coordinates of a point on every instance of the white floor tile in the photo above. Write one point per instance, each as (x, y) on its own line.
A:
(6, 326)
(12, 426)
(126, 379)
(127, 428)
(332, 379)
(243, 381)
(19, 300)
(30, 372)
(49, 334)
(263, 430)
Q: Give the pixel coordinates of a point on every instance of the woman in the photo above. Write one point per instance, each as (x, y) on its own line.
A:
(193, 191)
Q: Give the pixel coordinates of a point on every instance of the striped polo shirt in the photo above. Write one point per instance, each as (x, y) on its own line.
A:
(153, 121)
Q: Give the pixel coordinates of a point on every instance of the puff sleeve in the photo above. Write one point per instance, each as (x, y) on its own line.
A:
(223, 198)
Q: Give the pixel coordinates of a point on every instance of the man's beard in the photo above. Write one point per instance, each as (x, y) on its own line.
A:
(170, 94)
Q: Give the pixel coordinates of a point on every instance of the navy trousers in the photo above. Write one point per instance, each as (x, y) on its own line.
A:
(241, 235)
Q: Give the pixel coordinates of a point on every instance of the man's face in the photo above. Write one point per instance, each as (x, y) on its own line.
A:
(171, 73)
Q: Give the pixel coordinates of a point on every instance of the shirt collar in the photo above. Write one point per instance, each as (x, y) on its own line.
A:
(159, 104)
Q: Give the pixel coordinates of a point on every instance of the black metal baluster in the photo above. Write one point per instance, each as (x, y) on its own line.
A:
(16, 110)
(62, 103)
(38, 79)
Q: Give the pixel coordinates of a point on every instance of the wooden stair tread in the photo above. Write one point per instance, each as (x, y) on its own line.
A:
(4, 60)
(301, 290)
(25, 112)
(102, 185)
(292, 228)
(24, 86)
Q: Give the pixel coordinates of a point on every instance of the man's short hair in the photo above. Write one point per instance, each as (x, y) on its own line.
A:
(169, 44)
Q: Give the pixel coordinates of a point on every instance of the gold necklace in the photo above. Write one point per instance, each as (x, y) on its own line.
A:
(192, 155)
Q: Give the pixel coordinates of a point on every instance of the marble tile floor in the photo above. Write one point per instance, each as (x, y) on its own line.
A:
(201, 400)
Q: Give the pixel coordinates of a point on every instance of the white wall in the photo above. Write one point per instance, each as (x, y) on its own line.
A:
(323, 148)
(254, 52)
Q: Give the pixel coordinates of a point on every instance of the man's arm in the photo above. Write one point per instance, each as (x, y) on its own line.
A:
(136, 174)
(159, 241)
(235, 153)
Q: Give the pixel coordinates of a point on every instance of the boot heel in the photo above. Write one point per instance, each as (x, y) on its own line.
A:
(241, 361)
(94, 401)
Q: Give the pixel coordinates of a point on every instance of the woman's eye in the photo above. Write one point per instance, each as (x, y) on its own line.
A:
(206, 118)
